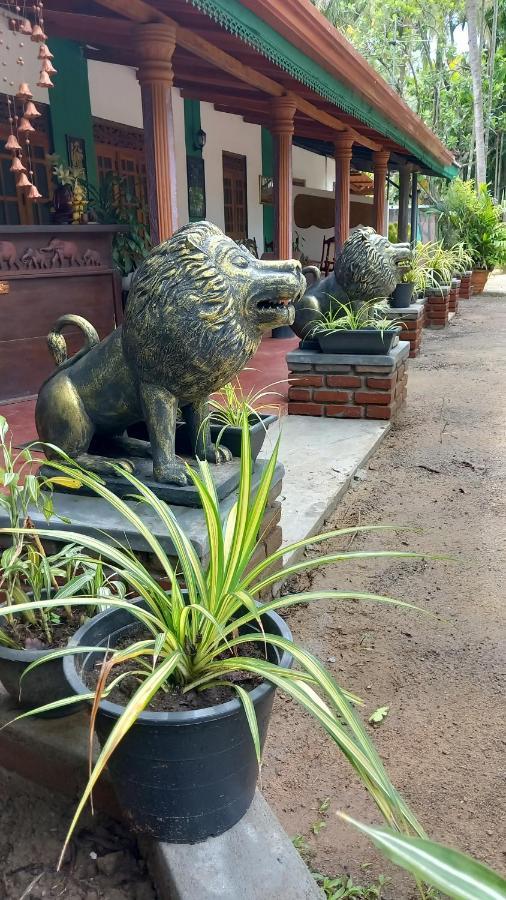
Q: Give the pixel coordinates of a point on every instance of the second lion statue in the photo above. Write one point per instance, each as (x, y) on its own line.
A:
(196, 311)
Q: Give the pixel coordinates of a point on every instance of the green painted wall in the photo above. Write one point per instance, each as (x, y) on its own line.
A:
(192, 124)
(69, 102)
(268, 169)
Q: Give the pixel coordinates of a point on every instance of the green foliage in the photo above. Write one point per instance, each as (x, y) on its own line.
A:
(343, 887)
(26, 571)
(342, 317)
(229, 406)
(473, 218)
(456, 874)
(114, 204)
(193, 639)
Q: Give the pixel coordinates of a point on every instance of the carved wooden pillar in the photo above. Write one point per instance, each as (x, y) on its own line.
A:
(342, 155)
(380, 169)
(283, 111)
(155, 44)
(414, 208)
(404, 187)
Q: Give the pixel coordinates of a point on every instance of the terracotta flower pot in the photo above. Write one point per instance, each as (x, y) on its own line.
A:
(479, 279)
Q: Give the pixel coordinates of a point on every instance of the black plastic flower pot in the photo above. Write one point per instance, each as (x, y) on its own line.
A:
(402, 295)
(185, 776)
(44, 685)
(364, 340)
(229, 436)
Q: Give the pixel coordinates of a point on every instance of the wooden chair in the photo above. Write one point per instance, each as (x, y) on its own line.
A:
(328, 254)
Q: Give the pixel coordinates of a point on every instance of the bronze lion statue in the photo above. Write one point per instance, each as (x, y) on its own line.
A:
(366, 270)
(195, 314)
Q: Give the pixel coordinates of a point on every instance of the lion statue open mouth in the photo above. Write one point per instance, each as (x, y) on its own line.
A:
(196, 311)
(367, 269)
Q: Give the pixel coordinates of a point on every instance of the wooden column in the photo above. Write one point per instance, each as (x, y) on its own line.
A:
(283, 111)
(404, 187)
(155, 44)
(380, 169)
(342, 155)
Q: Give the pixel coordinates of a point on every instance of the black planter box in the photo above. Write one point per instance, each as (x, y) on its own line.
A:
(229, 435)
(364, 340)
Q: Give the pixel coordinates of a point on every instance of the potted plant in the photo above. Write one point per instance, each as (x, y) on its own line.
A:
(363, 330)
(114, 204)
(471, 216)
(29, 574)
(413, 279)
(227, 410)
(70, 196)
(184, 679)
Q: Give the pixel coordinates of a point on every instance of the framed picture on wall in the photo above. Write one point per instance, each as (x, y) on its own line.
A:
(196, 188)
(266, 183)
(76, 152)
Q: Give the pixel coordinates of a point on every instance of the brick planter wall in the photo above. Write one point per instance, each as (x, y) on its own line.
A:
(347, 386)
(413, 320)
(438, 309)
(465, 286)
(453, 296)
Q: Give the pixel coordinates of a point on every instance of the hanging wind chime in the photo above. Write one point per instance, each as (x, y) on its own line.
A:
(21, 109)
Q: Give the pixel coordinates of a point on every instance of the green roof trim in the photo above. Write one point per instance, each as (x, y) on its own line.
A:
(243, 23)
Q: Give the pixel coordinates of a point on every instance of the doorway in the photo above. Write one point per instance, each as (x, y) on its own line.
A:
(235, 196)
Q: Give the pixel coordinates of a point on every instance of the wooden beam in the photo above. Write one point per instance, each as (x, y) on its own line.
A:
(141, 11)
(101, 30)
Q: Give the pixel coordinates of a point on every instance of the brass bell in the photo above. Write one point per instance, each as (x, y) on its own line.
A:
(12, 143)
(17, 165)
(25, 125)
(26, 27)
(33, 193)
(44, 52)
(47, 66)
(31, 111)
(44, 81)
(24, 92)
(37, 34)
(22, 181)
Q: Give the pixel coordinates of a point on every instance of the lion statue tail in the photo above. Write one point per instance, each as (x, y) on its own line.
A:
(58, 345)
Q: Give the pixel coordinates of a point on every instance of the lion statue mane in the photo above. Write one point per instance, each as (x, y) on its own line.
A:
(195, 314)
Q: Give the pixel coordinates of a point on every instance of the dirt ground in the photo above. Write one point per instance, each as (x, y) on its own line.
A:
(442, 468)
(103, 862)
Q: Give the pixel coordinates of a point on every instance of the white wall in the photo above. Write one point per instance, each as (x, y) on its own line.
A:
(230, 133)
(115, 95)
(318, 171)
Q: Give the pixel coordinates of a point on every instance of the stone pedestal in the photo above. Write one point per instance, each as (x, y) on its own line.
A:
(453, 296)
(412, 319)
(347, 386)
(465, 286)
(438, 308)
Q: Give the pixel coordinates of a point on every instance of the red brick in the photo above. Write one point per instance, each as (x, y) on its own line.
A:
(305, 409)
(299, 393)
(344, 412)
(305, 380)
(382, 383)
(344, 381)
(331, 396)
(379, 412)
(372, 397)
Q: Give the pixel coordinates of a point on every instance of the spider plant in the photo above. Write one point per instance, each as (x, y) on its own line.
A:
(193, 632)
(229, 405)
(439, 263)
(456, 874)
(26, 570)
(342, 317)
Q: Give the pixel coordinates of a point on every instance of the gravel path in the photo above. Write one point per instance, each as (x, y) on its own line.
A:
(442, 468)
